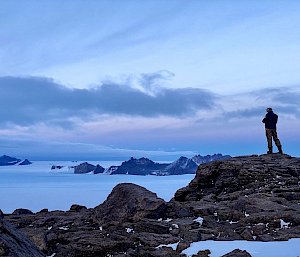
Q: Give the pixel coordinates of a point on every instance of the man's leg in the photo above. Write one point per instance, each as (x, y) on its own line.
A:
(269, 139)
(276, 140)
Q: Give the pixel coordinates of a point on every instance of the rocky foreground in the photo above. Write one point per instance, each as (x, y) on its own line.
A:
(246, 198)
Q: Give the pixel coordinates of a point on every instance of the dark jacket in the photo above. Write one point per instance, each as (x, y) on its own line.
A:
(270, 120)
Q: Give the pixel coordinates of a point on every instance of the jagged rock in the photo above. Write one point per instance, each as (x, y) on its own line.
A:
(237, 253)
(84, 168)
(25, 162)
(1, 214)
(99, 169)
(130, 202)
(22, 211)
(13, 243)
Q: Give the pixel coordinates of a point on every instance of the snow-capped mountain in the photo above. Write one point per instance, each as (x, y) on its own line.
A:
(145, 166)
(198, 159)
(183, 165)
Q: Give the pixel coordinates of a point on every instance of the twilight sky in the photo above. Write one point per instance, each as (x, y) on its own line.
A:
(120, 78)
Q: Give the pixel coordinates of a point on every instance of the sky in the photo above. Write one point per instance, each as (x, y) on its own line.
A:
(120, 78)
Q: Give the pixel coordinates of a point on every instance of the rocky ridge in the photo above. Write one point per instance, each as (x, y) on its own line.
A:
(145, 166)
(242, 198)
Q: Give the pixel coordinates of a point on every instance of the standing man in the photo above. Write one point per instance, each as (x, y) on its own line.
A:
(270, 121)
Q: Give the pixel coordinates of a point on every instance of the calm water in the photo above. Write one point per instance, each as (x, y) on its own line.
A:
(36, 187)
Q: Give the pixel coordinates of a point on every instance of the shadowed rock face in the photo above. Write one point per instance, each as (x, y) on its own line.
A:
(13, 243)
(250, 198)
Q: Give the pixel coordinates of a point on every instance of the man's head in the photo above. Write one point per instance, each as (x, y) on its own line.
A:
(269, 109)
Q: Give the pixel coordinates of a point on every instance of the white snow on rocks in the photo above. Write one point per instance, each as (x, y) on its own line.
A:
(199, 220)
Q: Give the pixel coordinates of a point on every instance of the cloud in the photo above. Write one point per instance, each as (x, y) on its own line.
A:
(25, 101)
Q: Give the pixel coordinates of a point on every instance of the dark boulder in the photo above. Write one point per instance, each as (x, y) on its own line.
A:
(22, 211)
(130, 202)
(77, 207)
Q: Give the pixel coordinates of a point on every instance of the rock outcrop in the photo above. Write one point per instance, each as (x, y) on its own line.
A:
(251, 198)
(242, 198)
(13, 243)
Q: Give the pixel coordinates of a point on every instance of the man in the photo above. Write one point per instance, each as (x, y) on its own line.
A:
(270, 121)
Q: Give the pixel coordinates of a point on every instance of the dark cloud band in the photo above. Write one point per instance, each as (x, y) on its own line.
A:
(29, 100)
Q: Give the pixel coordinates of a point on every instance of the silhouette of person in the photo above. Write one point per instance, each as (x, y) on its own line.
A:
(270, 121)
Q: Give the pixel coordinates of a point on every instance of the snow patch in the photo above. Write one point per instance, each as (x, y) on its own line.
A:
(63, 228)
(284, 225)
(199, 220)
(129, 230)
(173, 246)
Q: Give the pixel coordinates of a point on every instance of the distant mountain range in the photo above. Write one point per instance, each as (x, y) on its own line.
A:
(6, 160)
(144, 166)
